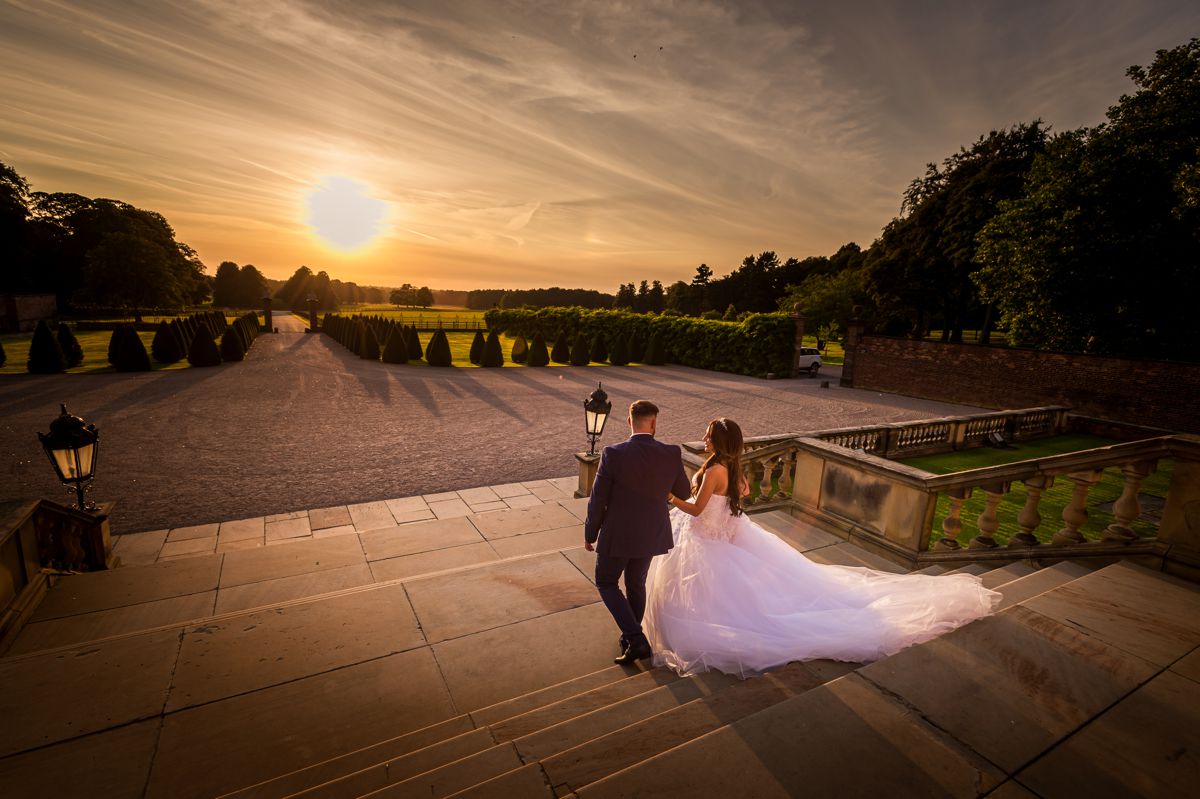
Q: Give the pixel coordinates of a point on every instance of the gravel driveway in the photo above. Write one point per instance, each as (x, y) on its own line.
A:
(302, 423)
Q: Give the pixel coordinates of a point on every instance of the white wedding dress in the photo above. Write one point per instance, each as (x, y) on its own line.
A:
(734, 597)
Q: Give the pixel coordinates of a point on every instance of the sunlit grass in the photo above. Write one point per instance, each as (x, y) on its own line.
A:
(95, 353)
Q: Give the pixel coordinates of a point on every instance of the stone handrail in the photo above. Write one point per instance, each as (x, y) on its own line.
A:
(768, 464)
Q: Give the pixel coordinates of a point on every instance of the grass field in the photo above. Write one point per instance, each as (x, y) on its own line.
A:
(95, 352)
(421, 317)
(1053, 500)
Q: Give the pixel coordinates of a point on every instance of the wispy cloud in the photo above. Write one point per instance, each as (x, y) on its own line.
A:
(536, 143)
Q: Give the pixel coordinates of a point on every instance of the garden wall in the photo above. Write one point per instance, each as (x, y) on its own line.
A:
(1154, 393)
(20, 313)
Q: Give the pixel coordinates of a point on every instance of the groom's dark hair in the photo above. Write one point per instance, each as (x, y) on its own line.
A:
(642, 409)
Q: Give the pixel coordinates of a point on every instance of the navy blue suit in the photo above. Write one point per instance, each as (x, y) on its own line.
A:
(627, 520)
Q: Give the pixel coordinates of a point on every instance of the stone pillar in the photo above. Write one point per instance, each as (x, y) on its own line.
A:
(1127, 508)
(1075, 514)
(798, 318)
(854, 334)
(312, 314)
(268, 323)
(588, 464)
(1180, 526)
(1030, 518)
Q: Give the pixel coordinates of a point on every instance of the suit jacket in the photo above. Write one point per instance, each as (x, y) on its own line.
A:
(628, 508)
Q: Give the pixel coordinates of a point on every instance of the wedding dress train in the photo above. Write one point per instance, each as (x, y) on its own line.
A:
(734, 597)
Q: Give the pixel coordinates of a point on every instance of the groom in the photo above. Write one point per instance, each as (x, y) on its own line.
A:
(628, 513)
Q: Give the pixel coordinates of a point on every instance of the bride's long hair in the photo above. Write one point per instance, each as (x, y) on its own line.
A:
(727, 442)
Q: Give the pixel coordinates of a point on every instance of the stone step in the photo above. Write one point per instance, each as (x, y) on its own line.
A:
(978, 569)
(1006, 574)
(1039, 582)
(935, 569)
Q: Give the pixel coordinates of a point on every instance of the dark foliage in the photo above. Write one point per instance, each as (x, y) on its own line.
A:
(165, 346)
(203, 351)
(414, 344)
(396, 348)
(232, 348)
(562, 348)
(655, 355)
(131, 355)
(492, 354)
(477, 345)
(520, 350)
(619, 354)
(598, 351)
(537, 352)
(369, 345)
(72, 351)
(438, 353)
(45, 355)
(579, 352)
(3, 355)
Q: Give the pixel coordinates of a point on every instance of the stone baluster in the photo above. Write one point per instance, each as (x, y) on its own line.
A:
(787, 467)
(1029, 519)
(988, 523)
(1075, 514)
(1127, 508)
(952, 524)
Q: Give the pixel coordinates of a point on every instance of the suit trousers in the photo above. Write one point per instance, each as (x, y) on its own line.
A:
(627, 609)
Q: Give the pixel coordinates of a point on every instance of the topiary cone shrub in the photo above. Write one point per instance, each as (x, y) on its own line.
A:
(370, 345)
(45, 356)
(492, 354)
(69, 345)
(231, 345)
(203, 351)
(396, 348)
(165, 346)
(182, 341)
(537, 352)
(599, 349)
(654, 351)
(477, 345)
(3, 355)
(562, 349)
(579, 351)
(130, 352)
(520, 350)
(438, 351)
(414, 344)
(619, 354)
(635, 348)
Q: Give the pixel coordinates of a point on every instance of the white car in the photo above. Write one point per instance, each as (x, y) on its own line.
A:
(809, 360)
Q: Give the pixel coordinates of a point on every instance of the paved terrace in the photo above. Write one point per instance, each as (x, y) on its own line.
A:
(302, 423)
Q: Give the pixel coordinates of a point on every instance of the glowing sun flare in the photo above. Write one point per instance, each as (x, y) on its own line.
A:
(342, 213)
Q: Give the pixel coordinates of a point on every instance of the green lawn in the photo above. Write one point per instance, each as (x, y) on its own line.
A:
(448, 316)
(95, 352)
(1053, 500)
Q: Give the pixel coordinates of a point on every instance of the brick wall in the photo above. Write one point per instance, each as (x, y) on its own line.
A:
(1154, 393)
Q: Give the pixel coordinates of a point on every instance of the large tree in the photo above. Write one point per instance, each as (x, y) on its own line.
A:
(1102, 252)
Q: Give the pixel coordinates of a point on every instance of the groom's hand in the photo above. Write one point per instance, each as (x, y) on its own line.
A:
(588, 546)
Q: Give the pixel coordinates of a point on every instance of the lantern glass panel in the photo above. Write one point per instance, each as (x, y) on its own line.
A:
(64, 463)
(87, 460)
(595, 422)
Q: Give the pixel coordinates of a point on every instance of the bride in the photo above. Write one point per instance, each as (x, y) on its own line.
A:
(732, 596)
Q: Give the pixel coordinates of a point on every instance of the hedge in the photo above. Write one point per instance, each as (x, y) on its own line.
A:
(520, 350)
(45, 355)
(537, 352)
(396, 348)
(492, 354)
(477, 345)
(562, 348)
(579, 352)
(599, 348)
(438, 352)
(203, 351)
(165, 347)
(70, 346)
(232, 348)
(758, 345)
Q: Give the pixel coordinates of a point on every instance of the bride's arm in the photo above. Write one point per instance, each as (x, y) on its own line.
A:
(707, 485)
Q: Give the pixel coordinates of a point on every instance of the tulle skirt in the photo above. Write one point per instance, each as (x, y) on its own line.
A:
(752, 602)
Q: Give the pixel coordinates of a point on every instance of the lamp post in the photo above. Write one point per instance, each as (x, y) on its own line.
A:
(595, 413)
(72, 445)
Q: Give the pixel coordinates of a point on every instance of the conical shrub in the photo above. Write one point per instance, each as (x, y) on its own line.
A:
(231, 345)
(131, 355)
(165, 346)
(492, 354)
(438, 351)
(72, 351)
(655, 354)
(619, 354)
(477, 345)
(3, 355)
(579, 351)
(635, 348)
(369, 350)
(598, 351)
(562, 349)
(203, 351)
(395, 350)
(181, 337)
(520, 350)
(414, 344)
(45, 355)
(537, 352)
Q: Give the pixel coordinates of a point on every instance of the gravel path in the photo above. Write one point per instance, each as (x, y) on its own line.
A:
(301, 423)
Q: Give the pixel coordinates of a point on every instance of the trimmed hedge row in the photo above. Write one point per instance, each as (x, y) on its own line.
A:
(758, 345)
(373, 337)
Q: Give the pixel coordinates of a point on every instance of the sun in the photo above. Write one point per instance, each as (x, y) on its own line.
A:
(343, 214)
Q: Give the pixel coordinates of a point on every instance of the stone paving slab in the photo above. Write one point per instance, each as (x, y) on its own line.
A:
(436, 560)
(522, 501)
(285, 589)
(409, 539)
(111, 764)
(509, 490)
(477, 496)
(441, 497)
(53, 697)
(1148, 613)
(369, 515)
(450, 508)
(498, 664)
(242, 529)
(1147, 745)
(191, 546)
(450, 606)
(1042, 679)
(414, 516)
(288, 528)
(809, 745)
(546, 540)
(524, 520)
(547, 491)
(584, 561)
(286, 516)
(1012, 790)
(346, 529)
(71, 630)
(249, 652)
(488, 507)
(192, 532)
(321, 518)
(406, 505)
(136, 549)
(116, 588)
(577, 507)
(801, 536)
(233, 546)
(222, 746)
(300, 557)
(1189, 666)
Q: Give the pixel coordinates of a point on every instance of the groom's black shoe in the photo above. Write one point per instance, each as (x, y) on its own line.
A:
(639, 650)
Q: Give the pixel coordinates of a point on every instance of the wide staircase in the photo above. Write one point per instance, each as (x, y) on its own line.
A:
(490, 680)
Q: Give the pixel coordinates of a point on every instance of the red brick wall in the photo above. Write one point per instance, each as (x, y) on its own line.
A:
(1153, 393)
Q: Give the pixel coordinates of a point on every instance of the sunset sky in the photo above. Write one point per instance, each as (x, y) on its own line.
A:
(524, 144)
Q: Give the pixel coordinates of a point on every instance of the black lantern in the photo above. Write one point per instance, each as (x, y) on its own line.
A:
(72, 446)
(595, 414)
